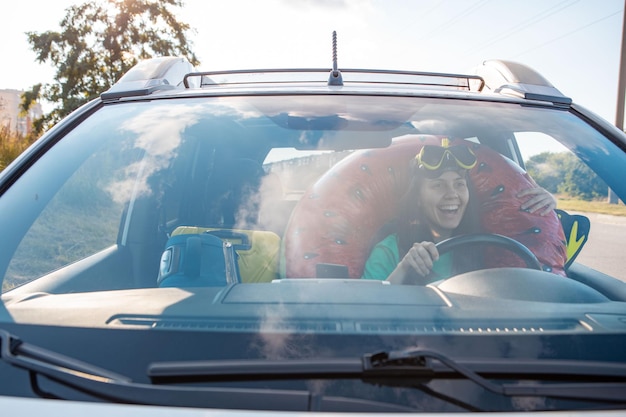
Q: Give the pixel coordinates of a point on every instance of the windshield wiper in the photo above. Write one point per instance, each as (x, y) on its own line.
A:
(586, 380)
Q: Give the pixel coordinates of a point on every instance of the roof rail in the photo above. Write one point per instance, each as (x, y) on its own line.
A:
(515, 79)
(320, 75)
(499, 76)
(148, 76)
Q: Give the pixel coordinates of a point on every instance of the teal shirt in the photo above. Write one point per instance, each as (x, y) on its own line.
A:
(385, 257)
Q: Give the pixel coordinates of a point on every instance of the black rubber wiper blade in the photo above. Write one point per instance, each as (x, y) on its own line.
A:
(254, 370)
(401, 364)
(417, 367)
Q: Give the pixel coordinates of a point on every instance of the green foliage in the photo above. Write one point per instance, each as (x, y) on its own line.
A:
(98, 42)
(564, 173)
(580, 181)
(545, 169)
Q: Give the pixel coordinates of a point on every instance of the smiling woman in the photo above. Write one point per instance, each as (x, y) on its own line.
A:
(434, 208)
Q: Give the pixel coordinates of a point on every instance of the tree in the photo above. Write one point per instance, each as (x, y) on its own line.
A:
(563, 173)
(580, 181)
(548, 169)
(99, 41)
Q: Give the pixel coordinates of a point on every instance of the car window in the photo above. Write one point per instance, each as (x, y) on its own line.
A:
(69, 211)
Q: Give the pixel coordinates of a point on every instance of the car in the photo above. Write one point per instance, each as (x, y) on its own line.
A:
(198, 241)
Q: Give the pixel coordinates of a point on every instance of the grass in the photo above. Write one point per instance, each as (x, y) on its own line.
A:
(597, 206)
(11, 145)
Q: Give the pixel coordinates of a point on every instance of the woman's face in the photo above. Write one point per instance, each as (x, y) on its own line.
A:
(442, 202)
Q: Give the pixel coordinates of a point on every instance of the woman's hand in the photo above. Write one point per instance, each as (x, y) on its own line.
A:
(416, 264)
(540, 201)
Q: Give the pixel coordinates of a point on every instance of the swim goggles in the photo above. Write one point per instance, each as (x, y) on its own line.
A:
(436, 157)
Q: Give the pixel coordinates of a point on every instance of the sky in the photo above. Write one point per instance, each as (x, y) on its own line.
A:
(575, 44)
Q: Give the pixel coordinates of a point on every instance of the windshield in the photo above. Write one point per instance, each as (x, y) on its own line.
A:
(322, 226)
(138, 173)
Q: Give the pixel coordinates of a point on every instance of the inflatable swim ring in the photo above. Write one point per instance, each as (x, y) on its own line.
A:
(339, 215)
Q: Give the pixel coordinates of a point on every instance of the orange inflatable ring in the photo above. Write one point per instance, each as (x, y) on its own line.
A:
(339, 215)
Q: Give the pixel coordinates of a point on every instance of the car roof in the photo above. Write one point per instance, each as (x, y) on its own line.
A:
(493, 80)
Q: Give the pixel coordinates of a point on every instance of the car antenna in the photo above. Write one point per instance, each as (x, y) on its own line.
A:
(335, 75)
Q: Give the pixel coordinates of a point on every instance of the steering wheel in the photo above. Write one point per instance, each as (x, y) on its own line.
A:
(491, 239)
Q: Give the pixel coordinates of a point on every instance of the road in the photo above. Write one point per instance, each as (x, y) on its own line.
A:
(606, 248)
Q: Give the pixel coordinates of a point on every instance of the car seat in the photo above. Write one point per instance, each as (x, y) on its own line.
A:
(257, 251)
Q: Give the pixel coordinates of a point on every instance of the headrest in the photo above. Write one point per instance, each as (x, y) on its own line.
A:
(198, 260)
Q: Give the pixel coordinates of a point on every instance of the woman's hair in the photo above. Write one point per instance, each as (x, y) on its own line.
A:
(411, 227)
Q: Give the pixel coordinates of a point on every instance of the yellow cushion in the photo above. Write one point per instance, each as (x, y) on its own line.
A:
(259, 263)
